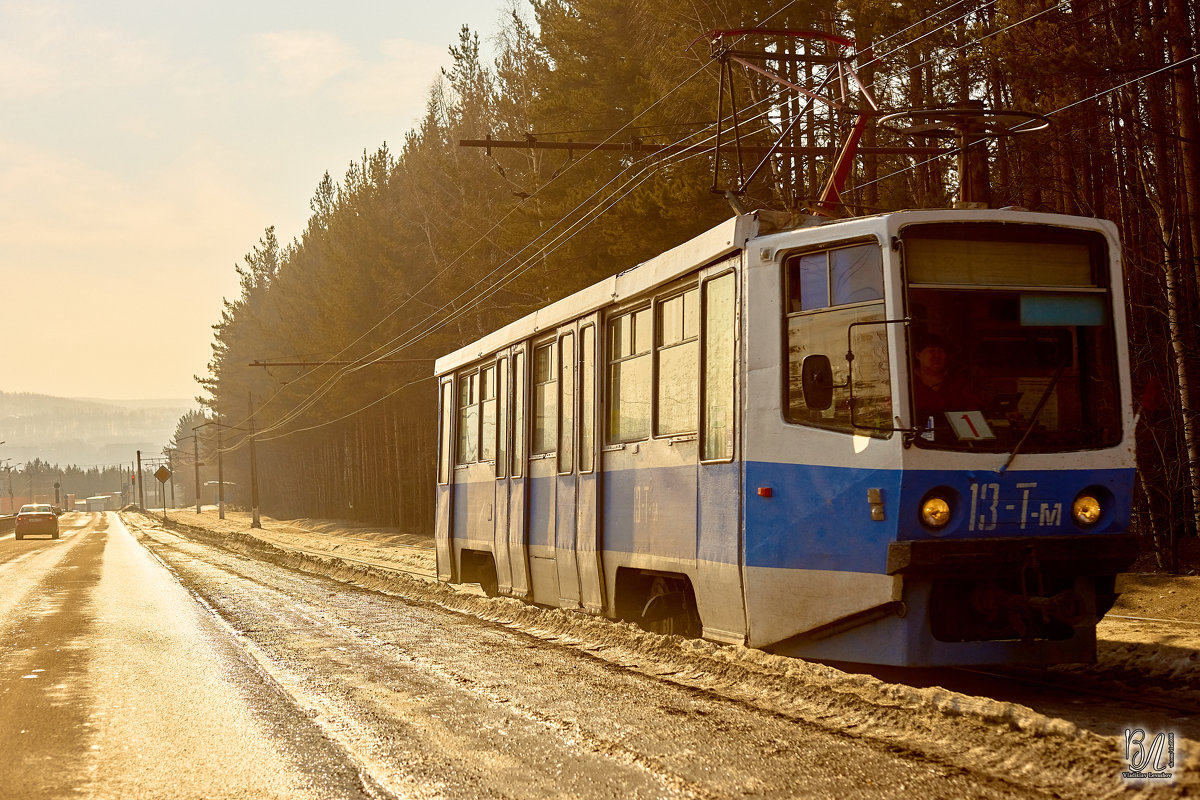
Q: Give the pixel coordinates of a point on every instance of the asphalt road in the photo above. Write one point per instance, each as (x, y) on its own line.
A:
(115, 682)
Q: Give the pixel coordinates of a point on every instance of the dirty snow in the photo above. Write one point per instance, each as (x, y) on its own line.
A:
(1043, 751)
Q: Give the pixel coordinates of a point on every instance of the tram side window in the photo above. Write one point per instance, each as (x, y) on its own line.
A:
(720, 320)
(566, 407)
(487, 414)
(855, 275)
(502, 418)
(587, 381)
(828, 292)
(468, 418)
(629, 338)
(518, 448)
(808, 282)
(678, 363)
(446, 453)
(545, 400)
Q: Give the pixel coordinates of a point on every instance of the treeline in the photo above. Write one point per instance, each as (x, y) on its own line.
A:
(61, 430)
(416, 251)
(34, 482)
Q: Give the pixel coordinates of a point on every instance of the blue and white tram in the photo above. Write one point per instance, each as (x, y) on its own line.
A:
(752, 437)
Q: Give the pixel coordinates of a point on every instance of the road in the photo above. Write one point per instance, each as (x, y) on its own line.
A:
(140, 663)
(117, 683)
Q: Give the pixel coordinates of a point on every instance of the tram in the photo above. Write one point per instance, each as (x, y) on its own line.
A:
(754, 438)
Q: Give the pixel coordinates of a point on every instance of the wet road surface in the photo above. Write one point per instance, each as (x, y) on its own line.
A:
(114, 682)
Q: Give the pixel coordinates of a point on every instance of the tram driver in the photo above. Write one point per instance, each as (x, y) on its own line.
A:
(939, 389)
(936, 387)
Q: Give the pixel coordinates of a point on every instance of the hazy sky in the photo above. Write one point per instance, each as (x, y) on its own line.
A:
(145, 146)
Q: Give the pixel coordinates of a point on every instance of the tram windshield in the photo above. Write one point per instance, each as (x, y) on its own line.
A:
(1011, 341)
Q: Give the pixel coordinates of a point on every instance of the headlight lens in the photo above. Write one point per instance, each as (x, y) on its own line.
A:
(935, 512)
(1086, 510)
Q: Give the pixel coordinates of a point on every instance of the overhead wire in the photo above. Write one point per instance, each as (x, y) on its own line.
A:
(1058, 110)
(374, 357)
(457, 313)
(977, 40)
(345, 370)
(499, 222)
(590, 216)
(606, 204)
(928, 18)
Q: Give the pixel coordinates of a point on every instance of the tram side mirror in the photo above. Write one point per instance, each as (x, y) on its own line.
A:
(816, 380)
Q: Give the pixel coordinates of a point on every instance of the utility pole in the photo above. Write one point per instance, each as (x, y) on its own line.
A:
(141, 489)
(170, 466)
(220, 474)
(220, 469)
(8, 469)
(255, 522)
(196, 465)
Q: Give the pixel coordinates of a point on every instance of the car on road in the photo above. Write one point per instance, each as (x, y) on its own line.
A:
(36, 518)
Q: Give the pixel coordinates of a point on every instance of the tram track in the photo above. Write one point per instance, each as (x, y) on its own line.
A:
(423, 574)
(1095, 701)
(291, 529)
(1083, 689)
(1154, 619)
(1073, 685)
(277, 537)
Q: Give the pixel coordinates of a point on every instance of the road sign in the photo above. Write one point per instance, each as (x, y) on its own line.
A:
(163, 474)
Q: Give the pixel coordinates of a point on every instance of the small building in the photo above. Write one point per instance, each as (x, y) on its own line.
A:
(101, 502)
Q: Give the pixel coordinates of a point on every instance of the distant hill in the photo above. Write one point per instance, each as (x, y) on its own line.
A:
(65, 431)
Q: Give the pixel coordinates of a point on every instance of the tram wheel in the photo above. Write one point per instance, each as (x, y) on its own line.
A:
(670, 608)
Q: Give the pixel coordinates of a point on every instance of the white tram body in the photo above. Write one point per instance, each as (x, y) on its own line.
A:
(731, 440)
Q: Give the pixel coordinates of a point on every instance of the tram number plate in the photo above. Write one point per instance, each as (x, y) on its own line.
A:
(969, 425)
(988, 509)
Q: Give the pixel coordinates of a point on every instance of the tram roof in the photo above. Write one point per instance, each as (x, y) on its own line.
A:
(715, 243)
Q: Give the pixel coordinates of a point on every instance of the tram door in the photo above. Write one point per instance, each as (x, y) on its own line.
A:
(500, 531)
(587, 502)
(566, 489)
(542, 467)
(445, 483)
(720, 474)
(514, 528)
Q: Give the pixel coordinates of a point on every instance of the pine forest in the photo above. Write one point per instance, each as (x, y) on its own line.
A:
(425, 245)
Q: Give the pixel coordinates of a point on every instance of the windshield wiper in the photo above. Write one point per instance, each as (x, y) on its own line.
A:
(1036, 413)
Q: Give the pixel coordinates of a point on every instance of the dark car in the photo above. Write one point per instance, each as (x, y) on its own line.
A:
(36, 518)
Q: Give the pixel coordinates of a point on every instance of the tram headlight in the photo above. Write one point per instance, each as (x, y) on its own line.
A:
(935, 512)
(1086, 510)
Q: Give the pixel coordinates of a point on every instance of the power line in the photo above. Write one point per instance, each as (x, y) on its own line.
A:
(1058, 110)
(556, 242)
(333, 379)
(457, 313)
